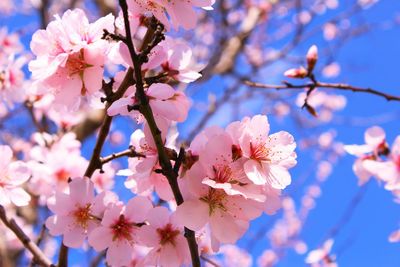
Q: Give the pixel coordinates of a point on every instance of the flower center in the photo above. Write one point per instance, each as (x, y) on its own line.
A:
(62, 175)
(167, 234)
(122, 229)
(4, 181)
(76, 65)
(259, 152)
(222, 173)
(82, 216)
(215, 200)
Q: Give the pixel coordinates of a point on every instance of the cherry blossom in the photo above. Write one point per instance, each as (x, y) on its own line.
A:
(179, 58)
(12, 79)
(9, 43)
(118, 230)
(13, 174)
(104, 179)
(268, 259)
(77, 212)
(388, 170)
(50, 170)
(164, 101)
(375, 144)
(180, 12)
(165, 237)
(234, 256)
(142, 178)
(228, 216)
(269, 156)
(321, 257)
(70, 57)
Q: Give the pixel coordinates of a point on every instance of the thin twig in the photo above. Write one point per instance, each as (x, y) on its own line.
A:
(130, 152)
(338, 86)
(95, 162)
(63, 256)
(37, 253)
(97, 260)
(213, 263)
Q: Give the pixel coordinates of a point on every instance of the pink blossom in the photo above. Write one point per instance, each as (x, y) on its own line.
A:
(142, 178)
(163, 99)
(71, 57)
(9, 43)
(228, 216)
(286, 230)
(11, 80)
(394, 236)
(165, 237)
(235, 256)
(179, 58)
(324, 103)
(389, 170)
(268, 259)
(321, 257)
(103, 179)
(77, 212)
(375, 143)
(173, 57)
(331, 70)
(330, 31)
(118, 230)
(50, 170)
(180, 12)
(268, 156)
(224, 171)
(12, 175)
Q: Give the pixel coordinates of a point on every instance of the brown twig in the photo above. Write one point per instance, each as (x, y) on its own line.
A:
(209, 261)
(97, 260)
(338, 86)
(63, 256)
(36, 252)
(95, 162)
(130, 152)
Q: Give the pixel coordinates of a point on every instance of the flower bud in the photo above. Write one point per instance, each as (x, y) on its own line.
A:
(296, 73)
(312, 57)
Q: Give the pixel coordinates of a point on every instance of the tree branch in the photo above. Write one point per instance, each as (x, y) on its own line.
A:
(146, 111)
(95, 162)
(338, 86)
(130, 152)
(37, 253)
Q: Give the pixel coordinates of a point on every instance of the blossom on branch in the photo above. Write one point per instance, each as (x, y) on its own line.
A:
(12, 175)
(70, 57)
(77, 212)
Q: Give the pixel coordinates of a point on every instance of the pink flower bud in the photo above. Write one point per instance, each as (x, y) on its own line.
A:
(312, 57)
(296, 73)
